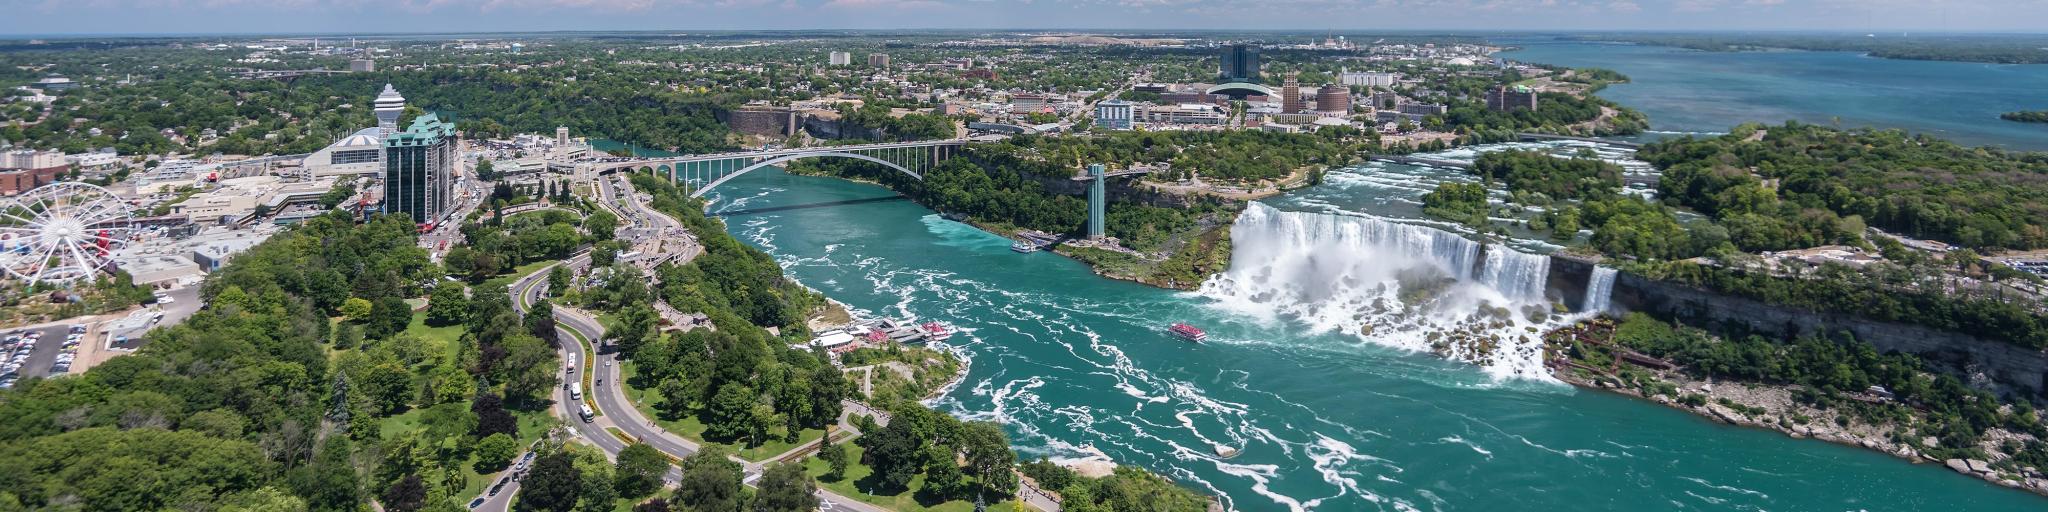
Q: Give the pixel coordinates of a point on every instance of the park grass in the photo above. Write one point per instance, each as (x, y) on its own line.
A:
(447, 338)
(692, 428)
(852, 486)
(507, 278)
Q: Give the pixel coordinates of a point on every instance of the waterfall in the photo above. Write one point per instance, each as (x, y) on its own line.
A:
(1599, 288)
(1518, 276)
(1401, 285)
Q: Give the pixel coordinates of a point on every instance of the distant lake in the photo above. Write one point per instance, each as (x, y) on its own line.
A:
(1695, 91)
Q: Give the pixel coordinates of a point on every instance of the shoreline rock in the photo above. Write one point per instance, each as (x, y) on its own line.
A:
(2029, 479)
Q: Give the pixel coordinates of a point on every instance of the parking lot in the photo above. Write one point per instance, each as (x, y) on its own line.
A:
(39, 351)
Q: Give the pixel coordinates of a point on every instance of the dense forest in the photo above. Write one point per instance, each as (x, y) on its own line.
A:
(1799, 185)
(1537, 172)
(302, 386)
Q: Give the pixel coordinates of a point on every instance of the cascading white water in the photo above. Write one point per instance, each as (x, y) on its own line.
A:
(1401, 285)
(1599, 289)
(1519, 276)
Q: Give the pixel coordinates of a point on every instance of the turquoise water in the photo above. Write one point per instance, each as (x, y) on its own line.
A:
(1694, 91)
(1075, 365)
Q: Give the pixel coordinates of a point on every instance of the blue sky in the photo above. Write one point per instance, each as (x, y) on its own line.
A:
(273, 16)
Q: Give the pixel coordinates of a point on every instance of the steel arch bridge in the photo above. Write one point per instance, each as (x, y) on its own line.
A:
(701, 173)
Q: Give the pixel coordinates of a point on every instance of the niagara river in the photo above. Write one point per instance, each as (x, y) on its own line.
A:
(1315, 369)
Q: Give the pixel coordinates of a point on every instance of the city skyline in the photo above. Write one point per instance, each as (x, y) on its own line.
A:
(49, 17)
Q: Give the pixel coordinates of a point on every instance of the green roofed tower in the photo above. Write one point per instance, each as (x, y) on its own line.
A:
(419, 169)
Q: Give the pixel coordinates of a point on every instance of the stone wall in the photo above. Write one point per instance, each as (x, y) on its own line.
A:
(2005, 368)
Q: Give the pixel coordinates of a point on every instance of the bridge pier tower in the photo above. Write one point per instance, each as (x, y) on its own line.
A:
(1096, 201)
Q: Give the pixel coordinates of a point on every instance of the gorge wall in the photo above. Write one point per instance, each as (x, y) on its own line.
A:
(2005, 368)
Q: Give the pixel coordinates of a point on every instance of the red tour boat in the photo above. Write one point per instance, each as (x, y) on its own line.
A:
(934, 331)
(1187, 332)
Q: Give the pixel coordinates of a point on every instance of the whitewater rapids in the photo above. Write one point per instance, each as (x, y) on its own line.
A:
(1399, 285)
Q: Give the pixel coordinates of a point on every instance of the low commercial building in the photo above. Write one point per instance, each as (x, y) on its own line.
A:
(1115, 114)
(1367, 79)
(1185, 113)
(359, 153)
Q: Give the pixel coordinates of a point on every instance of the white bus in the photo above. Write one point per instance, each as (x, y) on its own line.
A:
(588, 414)
(576, 391)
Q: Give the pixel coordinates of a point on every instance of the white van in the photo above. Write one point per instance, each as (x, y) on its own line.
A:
(588, 414)
(576, 391)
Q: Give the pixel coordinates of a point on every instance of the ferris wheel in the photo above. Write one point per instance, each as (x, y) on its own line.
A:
(62, 232)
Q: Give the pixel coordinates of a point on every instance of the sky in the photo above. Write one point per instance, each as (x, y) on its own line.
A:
(37, 17)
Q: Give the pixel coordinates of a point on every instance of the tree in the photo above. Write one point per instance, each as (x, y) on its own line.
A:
(639, 470)
(732, 413)
(553, 485)
(943, 479)
(491, 417)
(786, 488)
(330, 482)
(406, 495)
(496, 452)
(988, 455)
(834, 455)
(600, 225)
(388, 316)
(356, 309)
(540, 321)
(447, 306)
(711, 482)
(653, 505)
(895, 453)
(558, 280)
(598, 493)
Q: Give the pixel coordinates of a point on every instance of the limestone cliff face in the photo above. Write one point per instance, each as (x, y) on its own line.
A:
(1999, 366)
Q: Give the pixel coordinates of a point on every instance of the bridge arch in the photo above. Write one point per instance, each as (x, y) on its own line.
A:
(699, 191)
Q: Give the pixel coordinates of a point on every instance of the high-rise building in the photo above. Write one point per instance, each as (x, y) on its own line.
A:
(1508, 99)
(1240, 64)
(419, 169)
(878, 60)
(361, 65)
(389, 106)
(841, 59)
(561, 135)
(1333, 100)
(1114, 114)
(1290, 95)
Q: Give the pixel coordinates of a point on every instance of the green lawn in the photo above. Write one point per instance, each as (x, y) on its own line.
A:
(905, 501)
(506, 279)
(690, 427)
(446, 338)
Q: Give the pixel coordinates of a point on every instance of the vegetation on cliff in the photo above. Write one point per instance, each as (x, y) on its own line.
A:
(1936, 415)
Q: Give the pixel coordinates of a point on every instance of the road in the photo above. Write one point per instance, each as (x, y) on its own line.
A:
(448, 233)
(615, 410)
(656, 236)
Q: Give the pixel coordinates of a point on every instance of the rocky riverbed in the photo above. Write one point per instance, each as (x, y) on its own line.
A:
(1773, 407)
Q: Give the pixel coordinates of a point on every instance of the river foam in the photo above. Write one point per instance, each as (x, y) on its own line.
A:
(1390, 283)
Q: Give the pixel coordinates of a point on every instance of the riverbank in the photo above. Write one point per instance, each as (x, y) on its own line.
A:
(1585, 356)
